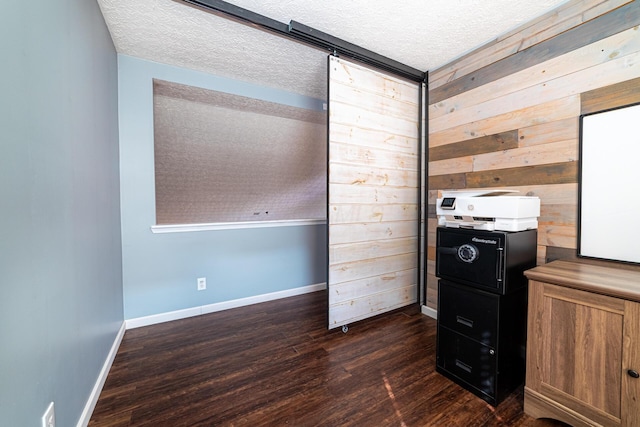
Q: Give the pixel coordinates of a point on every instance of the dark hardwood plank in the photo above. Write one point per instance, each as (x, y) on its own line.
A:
(276, 364)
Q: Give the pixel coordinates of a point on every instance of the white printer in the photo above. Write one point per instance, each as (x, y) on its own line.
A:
(487, 210)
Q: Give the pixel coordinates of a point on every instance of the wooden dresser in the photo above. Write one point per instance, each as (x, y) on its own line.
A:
(583, 344)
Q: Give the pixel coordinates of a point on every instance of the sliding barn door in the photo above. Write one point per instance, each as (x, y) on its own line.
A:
(373, 179)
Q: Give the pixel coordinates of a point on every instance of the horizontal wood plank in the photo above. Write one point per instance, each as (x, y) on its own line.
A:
(357, 136)
(558, 235)
(561, 130)
(372, 81)
(551, 111)
(357, 309)
(371, 156)
(367, 213)
(538, 76)
(447, 182)
(566, 16)
(500, 45)
(561, 214)
(369, 194)
(613, 96)
(451, 166)
(355, 174)
(555, 152)
(361, 117)
(350, 252)
(558, 173)
(369, 232)
(382, 283)
(485, 144)
(599, 28)
(616, 70)
(357, 96)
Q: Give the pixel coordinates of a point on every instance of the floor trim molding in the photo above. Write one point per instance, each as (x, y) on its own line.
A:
(225, 305)
(428, 311)
(85, 417)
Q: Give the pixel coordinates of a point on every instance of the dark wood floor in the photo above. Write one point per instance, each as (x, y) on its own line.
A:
(275, 364)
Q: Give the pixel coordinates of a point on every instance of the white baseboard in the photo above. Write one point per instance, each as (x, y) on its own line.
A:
(102, 377)
(225, 305)
(428, 311)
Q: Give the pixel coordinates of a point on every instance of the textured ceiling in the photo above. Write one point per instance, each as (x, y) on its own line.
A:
(421, 34)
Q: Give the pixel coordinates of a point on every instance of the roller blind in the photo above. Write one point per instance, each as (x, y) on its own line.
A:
(223, 158)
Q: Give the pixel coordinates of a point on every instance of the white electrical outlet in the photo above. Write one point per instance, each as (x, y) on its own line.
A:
(49, 417)
(202, 283)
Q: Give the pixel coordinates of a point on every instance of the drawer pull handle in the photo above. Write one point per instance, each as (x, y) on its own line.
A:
(463, 366)
(464, 321)
(633, 373)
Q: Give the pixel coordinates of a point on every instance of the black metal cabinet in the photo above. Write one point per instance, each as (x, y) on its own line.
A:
(482, 308)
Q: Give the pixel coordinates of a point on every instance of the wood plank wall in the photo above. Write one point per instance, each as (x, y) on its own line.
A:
(373, 192)
(507, 114)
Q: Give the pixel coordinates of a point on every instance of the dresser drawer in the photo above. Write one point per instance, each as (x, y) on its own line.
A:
(469, 311)
(467, 362)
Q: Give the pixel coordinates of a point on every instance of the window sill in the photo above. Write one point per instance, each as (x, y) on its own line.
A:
(184, 228)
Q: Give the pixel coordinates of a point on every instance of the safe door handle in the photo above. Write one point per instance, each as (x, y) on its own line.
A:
(448, 251)
(499, 264)
(463, 366)
(464, 321)
(633, 373)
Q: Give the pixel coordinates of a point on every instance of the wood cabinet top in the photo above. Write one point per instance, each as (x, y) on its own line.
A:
(622, 281)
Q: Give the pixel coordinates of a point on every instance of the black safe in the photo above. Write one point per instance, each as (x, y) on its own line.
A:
(482, 308)
(489, 260)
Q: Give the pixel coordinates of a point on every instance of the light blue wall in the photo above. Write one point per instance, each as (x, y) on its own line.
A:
(60, 248)
(160, 270)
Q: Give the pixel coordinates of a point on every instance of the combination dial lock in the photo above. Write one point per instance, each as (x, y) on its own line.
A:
(467, 253)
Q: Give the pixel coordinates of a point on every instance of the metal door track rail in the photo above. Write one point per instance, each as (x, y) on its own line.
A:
(313, 37)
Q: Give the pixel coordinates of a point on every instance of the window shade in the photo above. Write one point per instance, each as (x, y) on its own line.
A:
(223, 158)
